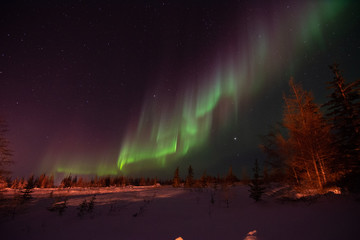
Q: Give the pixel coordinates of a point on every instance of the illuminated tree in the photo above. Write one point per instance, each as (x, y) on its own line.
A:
(67, 182)
(303, 150)
(41, 182)
(308, 147)
(50, 182)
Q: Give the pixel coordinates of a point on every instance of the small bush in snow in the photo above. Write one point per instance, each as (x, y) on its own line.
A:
(59, 206)
(86, 207)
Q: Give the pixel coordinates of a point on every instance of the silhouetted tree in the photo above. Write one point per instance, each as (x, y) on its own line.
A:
(204, 180)
(256, 184)
(190, 177)
(344, 116)
(176, 179)
(28, 188)
(67, 182)
(74, 181)
(142, 181)
(273, 145)
(107, 181)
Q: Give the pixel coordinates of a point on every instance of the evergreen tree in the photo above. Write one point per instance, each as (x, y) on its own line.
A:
(80, 182)
(28, 189)
(67, 182)
(74, 181)
(21, 183)
(142, 181)
(176, 179)
(107, 181)
(230, 177)
(190, 177)
(50, 182)
(256, 184)
(15, 184)
(304, 152)
(41, 183)
(155, 181)
(344, 116)
(123, 181)
(273, 145)
(5, 152)
(204, 180)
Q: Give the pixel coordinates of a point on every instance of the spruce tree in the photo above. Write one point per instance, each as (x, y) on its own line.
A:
(50, 182)
(176, 179)
(142, 181)
(344, 115)
(190, 177)
(256, 184)
(204, 180)
(272, 145)
(28, 189)
(42, 181)
(67, 182)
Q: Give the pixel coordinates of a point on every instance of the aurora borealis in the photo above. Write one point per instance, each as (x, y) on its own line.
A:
(172, 133)
(140, 88)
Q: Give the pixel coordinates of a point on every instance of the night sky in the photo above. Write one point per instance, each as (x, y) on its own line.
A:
(141, 87)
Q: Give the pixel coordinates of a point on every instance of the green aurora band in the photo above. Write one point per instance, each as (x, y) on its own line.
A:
(169, 134)
(166, 132)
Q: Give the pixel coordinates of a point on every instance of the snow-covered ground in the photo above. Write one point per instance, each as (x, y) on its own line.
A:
(171, 213)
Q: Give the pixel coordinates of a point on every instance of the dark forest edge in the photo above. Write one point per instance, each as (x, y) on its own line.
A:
(315, 147)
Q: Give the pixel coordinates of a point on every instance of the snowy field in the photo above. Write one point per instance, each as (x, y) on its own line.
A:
(169, 213)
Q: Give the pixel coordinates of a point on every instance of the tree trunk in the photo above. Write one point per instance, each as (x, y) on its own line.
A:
(321, 164)
(317, 173)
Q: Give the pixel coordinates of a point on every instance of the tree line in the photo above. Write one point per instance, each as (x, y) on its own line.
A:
(45, 181)
(69, 181)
